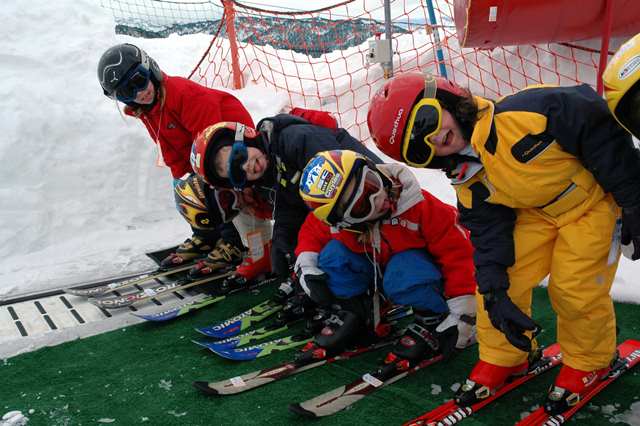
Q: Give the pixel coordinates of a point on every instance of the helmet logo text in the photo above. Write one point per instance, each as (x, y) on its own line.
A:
(629, 68)
(396, 122)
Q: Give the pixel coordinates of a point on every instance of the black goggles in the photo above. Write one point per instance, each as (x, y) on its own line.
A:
(133, 83)
(425, 121)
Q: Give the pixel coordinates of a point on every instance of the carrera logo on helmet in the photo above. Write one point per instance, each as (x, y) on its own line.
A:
(332, 186)
(324, 180)
(629, 68)
(396, 122)
(114, 77)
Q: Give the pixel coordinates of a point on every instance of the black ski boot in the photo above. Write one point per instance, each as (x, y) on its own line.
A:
(419, 340)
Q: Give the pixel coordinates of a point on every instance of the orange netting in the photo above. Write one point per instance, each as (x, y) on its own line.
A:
(319, 58)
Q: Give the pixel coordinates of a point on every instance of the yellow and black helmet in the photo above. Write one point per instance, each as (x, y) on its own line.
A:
(621, 81)
(324, 178)
(191, 202)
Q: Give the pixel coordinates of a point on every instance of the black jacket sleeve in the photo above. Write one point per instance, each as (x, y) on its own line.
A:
(296, 145)
(581, 123)
(491, 227)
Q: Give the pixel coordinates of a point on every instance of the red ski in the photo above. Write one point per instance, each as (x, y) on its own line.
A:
(451, 413)
(628, 357)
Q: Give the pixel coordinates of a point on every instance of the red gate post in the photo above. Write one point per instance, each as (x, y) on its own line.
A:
(230, 14)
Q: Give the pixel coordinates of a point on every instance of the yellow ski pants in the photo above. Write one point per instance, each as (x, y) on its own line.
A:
(575, 249)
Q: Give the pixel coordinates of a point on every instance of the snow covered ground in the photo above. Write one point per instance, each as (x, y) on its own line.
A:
(80, 196)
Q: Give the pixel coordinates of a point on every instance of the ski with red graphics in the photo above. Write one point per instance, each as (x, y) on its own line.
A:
(628, 357)
(451, 413)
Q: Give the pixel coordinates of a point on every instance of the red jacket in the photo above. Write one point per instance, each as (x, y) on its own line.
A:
(186, 109)
(421, 221)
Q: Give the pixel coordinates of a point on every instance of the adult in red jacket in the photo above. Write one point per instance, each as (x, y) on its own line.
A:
(174, 110)
(370, 218)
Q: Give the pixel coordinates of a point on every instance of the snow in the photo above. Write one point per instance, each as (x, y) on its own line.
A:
(80, 195)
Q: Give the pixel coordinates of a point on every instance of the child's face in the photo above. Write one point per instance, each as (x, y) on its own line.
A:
(373, 204)
(449, 139)
(255, 166)
(145, 97)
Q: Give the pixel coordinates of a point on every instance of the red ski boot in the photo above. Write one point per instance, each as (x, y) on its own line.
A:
(251, 268)
(570, 384)
(485, 379)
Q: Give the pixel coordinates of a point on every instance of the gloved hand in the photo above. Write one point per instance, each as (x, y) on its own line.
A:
(317, 288)
(458, 330)
(313, 280)
(509, 319)
(631, 232)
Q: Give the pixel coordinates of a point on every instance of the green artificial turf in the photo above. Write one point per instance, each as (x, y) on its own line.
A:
(143, 374)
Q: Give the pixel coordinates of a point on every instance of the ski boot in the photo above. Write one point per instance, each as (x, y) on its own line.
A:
(222, 257)
(486, 378)
(569, 386)
(252, 268)
(192, 248)
(418, 342)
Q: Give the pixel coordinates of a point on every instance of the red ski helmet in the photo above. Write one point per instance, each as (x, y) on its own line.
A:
(210, 140)
(391, 107)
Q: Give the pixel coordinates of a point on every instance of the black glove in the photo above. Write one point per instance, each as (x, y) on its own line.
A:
(509, 319)
(631, 232)
(317, 287)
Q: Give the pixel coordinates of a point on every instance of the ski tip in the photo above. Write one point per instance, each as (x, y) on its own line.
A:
(204, 388)
(297, 409)
(234, 354)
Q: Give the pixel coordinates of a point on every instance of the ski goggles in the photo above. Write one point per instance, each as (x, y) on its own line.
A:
(136, 80)
(237, 159)
(424, 122)
(360, 206)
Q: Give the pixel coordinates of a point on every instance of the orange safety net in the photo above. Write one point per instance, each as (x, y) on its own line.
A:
(319, 58)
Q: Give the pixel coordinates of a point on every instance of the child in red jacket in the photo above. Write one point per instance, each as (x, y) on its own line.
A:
(373, 223)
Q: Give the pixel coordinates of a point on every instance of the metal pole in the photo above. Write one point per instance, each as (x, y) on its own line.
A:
(388, 66)
(436, 38)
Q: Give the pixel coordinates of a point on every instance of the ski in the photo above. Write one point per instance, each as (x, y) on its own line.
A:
(112, 302)
(193, 303)
(238, 323)
(628, 357)
(344, 396)
(245, 338)
(451, 413)
(306, 360)
(250, 353)
(265, 376)
(101, 289)
(166, 313)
